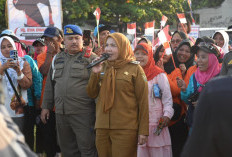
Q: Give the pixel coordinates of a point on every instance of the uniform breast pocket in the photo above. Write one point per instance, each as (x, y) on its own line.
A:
(124, 82)
(79, 71)
(59, 70)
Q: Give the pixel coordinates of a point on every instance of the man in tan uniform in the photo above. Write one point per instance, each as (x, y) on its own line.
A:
(66, 88)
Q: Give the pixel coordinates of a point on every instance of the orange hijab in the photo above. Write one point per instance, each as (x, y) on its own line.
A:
(150, 69)
(125, 56)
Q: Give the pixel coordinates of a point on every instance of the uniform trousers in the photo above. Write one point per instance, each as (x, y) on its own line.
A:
(76, 134)
(116, 143)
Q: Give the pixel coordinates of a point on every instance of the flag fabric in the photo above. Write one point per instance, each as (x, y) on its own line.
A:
(190, 3)
(149, 27)
(164, 35)
(167, 48)
(156, 42)
(131, 28)
(163, 21)
(97, 13)
(182, 18)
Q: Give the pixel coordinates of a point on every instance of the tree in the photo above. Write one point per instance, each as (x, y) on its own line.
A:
(3, 15)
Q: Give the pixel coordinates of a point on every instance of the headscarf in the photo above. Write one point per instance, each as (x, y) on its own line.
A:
(150, 69)
(12, 73)
(181, 34)
(226, 40)
(168, 67)
(213, 69)
(125, 55)
(191, 60)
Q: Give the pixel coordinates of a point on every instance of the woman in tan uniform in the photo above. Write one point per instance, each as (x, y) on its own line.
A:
(122, 117)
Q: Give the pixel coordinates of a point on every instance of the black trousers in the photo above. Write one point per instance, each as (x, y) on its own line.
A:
(46, 138)
(179, 135)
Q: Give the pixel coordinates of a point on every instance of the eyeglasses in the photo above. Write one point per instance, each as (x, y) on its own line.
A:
(177, 41)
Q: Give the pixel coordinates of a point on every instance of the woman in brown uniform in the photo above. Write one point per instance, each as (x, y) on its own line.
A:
(122, 107)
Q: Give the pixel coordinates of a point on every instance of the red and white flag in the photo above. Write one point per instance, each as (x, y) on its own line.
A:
(131, 28)
(97, 13)
(163, 21)
(149, 27)
(164, 35)
(167, 48)
(182, 18)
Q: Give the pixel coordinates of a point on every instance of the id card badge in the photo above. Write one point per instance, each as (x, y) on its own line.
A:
(156, 91)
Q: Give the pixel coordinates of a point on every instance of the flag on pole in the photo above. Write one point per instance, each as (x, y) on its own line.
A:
(149, 27)
(97, 13)
(164, 35)
(131, 28)
(182, 18)
(163, 21)
(191, 12)
(167, 48)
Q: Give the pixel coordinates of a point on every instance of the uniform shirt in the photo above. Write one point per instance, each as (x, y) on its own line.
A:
(130, 108)
(227, 64)
(66, 85)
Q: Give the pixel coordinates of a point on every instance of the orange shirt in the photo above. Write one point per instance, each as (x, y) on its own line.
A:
(40, 60)
(174, 87)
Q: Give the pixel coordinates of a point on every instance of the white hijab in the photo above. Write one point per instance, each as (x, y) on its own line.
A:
(12, 73)
(226, 40)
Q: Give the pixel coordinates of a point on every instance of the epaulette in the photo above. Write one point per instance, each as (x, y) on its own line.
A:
(88, 52)
(135, 62)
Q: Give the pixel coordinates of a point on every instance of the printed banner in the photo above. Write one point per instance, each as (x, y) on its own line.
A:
(29, 18)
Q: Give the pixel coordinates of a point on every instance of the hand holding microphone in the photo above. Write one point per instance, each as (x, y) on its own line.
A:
(96, 64)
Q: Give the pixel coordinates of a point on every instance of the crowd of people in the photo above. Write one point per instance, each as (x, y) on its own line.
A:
(140, 102)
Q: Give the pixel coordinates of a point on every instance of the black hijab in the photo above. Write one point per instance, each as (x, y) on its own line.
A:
(191, 60)
(168, 67)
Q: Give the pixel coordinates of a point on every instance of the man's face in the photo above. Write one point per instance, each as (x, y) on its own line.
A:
(102, 36)
(73, 43)
(39, 48)
(55, 41)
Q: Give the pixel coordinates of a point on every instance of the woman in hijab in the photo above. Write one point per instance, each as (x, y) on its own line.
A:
(163, 60)
(177, 38)
(222, 40)
(21, 76)
(212, 125)
(207, 68)
(160, 106)
(120, 86)
(184, 61)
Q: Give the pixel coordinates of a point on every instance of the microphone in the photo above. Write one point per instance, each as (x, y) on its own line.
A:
(104, 57)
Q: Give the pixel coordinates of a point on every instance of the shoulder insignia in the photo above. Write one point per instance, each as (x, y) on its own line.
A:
(88, 52)
(135, 62)
(230, 62)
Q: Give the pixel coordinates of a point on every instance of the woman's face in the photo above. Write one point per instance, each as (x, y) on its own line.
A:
(165, 56)
(6, 47)
(141, 57)
(176, 40)
(112, 49)
(202, 60)
(219, 39)
(180, 28)
(183, 54)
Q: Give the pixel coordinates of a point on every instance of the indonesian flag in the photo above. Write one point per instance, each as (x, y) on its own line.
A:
(182, 18)
(164, 35)
(97, 13)
(167, 48)
(163, 21)
(149, 27)
(131, 28)
(156, 42)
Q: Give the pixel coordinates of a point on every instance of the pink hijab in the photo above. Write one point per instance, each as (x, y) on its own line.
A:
(214, 69)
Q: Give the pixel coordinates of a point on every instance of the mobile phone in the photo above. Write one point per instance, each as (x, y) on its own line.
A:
(14, 55)
(87, 37)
